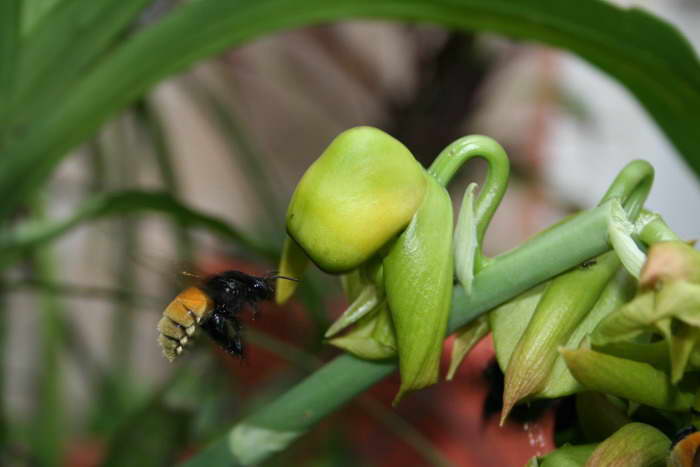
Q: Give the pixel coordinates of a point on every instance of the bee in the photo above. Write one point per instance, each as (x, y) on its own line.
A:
(214, 307)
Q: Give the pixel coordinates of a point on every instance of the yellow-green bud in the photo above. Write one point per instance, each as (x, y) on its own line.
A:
(668, 304)
(361, 192)
(633, 444)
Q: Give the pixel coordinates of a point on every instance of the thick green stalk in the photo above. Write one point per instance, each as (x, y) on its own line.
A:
(276, 425)
(654, 229)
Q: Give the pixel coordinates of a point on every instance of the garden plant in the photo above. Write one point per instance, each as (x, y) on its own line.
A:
(601, 308)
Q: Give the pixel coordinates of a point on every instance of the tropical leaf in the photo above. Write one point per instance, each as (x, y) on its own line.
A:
(648, 56)
(30, 235)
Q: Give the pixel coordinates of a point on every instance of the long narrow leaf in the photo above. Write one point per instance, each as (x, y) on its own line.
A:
(643, 53)
(61, 47)
(10, 22)
(35, 234)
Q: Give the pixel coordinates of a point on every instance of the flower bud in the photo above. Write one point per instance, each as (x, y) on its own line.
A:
(564, 304)
(633, 444)
(361, 192)
(628, 379)
(668, 304)
(418, 277)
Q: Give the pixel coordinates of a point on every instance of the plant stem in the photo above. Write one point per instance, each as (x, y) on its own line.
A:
(457, 154)
(278, 424)
(654, 229)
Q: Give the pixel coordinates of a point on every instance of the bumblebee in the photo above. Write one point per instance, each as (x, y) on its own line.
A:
(214, 307)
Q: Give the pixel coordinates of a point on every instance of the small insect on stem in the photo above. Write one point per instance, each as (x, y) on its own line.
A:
(213, 306)
(588, 263)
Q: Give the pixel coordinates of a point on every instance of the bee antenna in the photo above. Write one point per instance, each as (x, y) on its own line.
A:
(282, 277)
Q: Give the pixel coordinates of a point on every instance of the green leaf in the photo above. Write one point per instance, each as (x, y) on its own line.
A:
(66, 41)
(646, 55)
(33, 234)
(10, 19)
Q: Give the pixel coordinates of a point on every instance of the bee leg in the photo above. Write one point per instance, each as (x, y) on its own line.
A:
(237, 338)
(217, 327)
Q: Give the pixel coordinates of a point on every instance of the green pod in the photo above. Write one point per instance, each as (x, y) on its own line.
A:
(618, 291)
(418, 275)
(628, 379)
(361, 192)
(635, 444)
(563, 306)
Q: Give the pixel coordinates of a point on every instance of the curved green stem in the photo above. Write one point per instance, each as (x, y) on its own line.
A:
(631, 187)
(652, 228)
(457, 154)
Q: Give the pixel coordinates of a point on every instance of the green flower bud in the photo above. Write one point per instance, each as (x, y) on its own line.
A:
(565, 303)
(669, 304)
(361, 192)
(628, 379)
(635, 444)
(418, 275)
